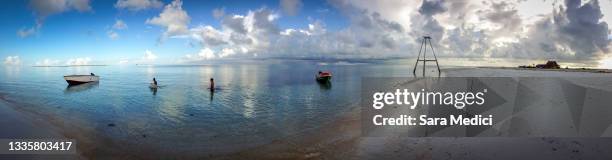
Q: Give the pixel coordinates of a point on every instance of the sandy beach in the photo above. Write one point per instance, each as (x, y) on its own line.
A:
(25, 125)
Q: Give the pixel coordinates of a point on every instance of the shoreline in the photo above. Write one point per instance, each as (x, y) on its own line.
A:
(27, 126)
(24, 125)
(585, 70)
(329, 140)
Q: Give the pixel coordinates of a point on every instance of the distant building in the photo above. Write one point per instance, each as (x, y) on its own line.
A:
(549, 65)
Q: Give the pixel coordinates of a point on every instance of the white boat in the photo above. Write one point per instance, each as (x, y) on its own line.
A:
(80, 79)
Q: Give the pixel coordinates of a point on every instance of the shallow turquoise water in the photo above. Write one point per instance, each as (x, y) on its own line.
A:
(258, 101)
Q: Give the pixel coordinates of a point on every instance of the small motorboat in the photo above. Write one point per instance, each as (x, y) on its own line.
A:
(80, 79)
(324, 76)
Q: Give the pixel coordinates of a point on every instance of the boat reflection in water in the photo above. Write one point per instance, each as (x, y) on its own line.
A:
(80, 87)
(325, 85)
(323, 78)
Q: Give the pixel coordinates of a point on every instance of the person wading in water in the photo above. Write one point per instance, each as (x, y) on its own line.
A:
(212, 84)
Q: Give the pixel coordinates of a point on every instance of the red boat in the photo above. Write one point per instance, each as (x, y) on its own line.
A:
(324, 76)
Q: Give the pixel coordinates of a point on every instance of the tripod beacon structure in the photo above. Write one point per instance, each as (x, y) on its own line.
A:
(424, 59)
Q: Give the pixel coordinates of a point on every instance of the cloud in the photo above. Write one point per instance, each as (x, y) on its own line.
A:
(44, 8)
(173, 18)
(209, 36)
(257, 34)
(291, 7)
(12, 61)
(23, 32)
(119, 25)
(583, 30)
(218, 12)
(78, 61)
(432, 7)
(149, 56)
(426, 24)
(123, 61)
(112, 35)
(572, 31)
(69, 62)
(137, 5)
(203, 54)
(80, 5)
(382, 29)
(472, 28)
(47, 62)
(248, 34)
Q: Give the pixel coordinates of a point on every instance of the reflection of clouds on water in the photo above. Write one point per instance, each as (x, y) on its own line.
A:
(12, 71)
(257, 102)
(249, 103)
(227, 74)
(251, 85)
(150, 71)
(80, 69)
(206, 72)
(173, 105)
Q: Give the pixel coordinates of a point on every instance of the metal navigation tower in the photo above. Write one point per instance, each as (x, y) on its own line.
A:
(424, 49)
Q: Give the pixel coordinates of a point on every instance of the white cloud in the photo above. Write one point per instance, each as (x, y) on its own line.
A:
(204, 54)
(78, 61)
(291, 7)
(173, 18)
(380, 29)
(112, 35)
(137, 5)
(218, 13)
(47, 62)
(149, 56)
(124, 61)
(119, 25)
(226, 52)
(80, 5)
(44, 8)
(12, 61)
(23, 32)
(209, 36)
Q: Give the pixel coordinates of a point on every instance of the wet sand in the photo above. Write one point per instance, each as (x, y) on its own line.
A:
(24, 125)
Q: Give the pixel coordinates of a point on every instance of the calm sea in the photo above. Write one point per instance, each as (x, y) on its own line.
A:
(256, 103)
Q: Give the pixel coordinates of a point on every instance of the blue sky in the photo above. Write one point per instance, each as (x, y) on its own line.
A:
(73, 34)
(62, 32)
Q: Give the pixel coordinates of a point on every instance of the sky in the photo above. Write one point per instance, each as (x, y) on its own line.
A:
(87, 32)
